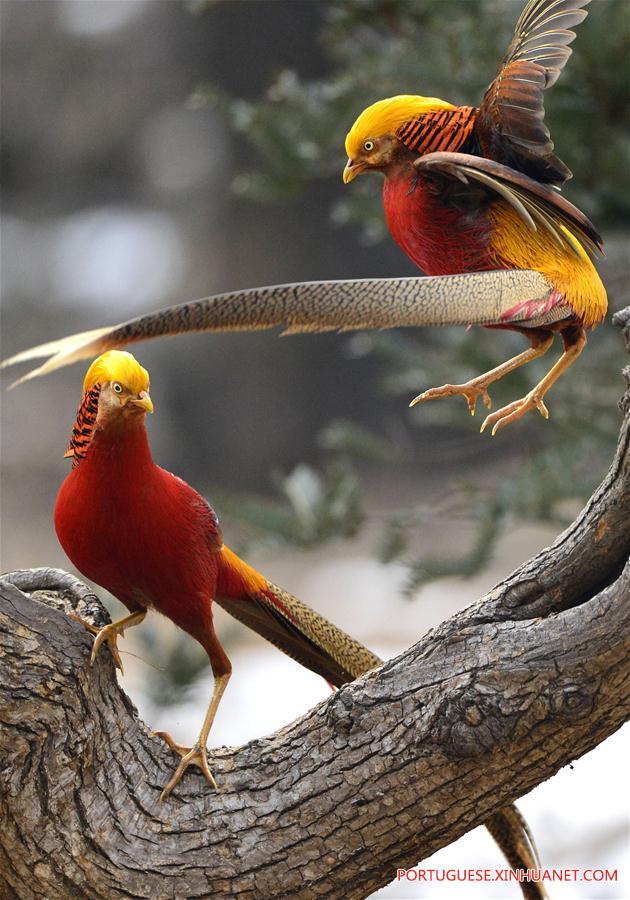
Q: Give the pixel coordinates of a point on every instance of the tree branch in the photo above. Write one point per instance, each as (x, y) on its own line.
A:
(383, 773)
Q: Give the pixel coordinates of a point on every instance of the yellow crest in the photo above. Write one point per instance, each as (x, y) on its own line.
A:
(386, 117)
(117, 365)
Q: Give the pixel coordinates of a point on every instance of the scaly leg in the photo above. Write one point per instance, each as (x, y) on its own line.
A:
(478, 387)
(110, 633)
(574, 342)
(197, 755)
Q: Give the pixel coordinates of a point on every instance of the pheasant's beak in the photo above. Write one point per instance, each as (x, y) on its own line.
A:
(352, 170)
(143, 400)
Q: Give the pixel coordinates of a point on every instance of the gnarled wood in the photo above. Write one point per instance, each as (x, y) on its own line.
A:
(383, 773)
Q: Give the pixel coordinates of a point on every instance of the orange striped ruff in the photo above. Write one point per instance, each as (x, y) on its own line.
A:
(84, 426)
(445, 130)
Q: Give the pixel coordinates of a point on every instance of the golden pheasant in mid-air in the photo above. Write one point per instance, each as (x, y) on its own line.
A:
(471, 195)
(471, 189)
(156, 544)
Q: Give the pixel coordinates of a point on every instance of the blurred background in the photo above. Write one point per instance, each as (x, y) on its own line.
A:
(155, 151)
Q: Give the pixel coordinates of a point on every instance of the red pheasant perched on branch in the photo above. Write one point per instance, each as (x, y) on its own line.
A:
(155, 544)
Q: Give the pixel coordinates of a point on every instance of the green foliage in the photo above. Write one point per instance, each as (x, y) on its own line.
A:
(489, 517)
(358, 442)
(311, 507)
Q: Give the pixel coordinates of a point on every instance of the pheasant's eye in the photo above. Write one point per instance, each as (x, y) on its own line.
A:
(117, 387)
(369, 145)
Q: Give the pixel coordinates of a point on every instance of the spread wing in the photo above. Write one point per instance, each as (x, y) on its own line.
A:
(510, 124)
(289, 624)
(538, 205)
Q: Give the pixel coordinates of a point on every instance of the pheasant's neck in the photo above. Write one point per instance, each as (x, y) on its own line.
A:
(120, 450)
(440, 239)
(106, 506)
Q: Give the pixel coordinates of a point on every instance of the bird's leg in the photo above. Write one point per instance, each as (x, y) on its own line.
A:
(478, 387)
(197, 755)
(574, 340)
(110, 633)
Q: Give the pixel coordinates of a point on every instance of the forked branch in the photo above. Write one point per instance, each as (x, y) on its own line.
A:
(390, 768)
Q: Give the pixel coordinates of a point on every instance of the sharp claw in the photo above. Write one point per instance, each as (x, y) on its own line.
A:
(87, 625)
(95, 647)
(174, 746)
(513, 412)
(171, 784)
(190, 756)
(102, 634)
(108, 634)
(205, 768)
(470, 391)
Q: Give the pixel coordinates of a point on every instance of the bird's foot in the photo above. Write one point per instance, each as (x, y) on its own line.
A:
(471, 390)
(514, 411)
(108, 633)
(191, 756)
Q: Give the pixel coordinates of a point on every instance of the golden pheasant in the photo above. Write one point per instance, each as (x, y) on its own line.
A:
(470, 194)
(472, 189)
(155, 544)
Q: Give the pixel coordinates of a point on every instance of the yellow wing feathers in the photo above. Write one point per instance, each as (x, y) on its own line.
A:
(573, 275)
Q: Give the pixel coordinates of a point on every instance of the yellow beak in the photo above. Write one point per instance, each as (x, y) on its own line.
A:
(144, 401)
(352, 170)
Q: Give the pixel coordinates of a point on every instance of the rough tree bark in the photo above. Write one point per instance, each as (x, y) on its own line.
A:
(386, 771)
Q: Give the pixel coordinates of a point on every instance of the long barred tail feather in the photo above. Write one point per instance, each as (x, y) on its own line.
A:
(478, 298)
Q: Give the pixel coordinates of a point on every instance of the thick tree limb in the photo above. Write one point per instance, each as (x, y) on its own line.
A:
(386, 771)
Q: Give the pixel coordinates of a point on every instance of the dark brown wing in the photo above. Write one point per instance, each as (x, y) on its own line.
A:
(539, 205)
(510, 124)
